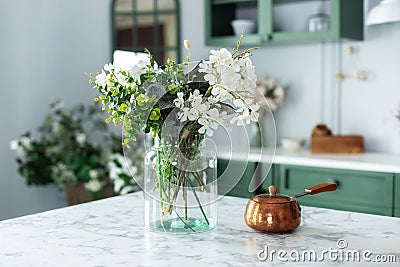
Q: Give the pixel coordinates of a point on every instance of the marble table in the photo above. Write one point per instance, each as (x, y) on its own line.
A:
(110, 233)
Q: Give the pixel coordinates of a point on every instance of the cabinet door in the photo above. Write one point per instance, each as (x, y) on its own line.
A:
(397, 196)
(360, 191)
(230, 170)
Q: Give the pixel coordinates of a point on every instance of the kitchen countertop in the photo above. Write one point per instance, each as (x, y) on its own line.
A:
(110, 232)
(378, 162)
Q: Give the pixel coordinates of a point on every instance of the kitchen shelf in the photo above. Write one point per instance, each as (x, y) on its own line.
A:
(346, 21)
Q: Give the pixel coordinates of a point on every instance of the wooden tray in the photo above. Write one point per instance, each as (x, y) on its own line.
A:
(349, 144)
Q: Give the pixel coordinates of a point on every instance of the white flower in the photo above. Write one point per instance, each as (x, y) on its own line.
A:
(80, 138)
(220, 94)
(59, 105)
(221, 56)
(184, 114)
(195, 96)
(229, 76)
(108, 67)
(179, 101)
(94, 185)
(121, 79)
(140, 68)
(211, 78)
(93, 174)
(14, 144)
(197, 109)
(102, 79)
(209, 121)
(26, 142)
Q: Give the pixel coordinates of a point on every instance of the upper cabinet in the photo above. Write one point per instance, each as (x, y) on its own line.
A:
(283, 21)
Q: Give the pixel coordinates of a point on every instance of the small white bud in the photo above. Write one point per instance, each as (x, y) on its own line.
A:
(187, 44)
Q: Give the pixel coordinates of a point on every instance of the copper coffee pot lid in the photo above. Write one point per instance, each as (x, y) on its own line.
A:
(272, 197)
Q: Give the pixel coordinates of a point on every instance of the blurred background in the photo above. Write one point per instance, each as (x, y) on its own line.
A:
(47, 46)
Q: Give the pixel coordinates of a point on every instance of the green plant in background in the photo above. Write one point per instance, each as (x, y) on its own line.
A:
(74, 147)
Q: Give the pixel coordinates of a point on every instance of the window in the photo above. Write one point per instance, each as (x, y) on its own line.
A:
(151, 24)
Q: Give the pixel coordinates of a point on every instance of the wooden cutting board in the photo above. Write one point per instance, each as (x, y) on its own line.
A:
(352, 144)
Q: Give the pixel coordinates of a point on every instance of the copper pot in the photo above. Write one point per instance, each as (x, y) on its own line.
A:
(278, 213)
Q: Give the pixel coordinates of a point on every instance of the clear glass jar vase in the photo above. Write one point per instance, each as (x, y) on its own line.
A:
(180, 185)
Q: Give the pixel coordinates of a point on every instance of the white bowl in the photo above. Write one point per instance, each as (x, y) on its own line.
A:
(248, 26)
(292, 144)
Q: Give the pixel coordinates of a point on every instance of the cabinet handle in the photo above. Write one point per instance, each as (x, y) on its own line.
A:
(286, 179)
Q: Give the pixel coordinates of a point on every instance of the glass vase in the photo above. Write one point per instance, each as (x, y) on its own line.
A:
(180, 184)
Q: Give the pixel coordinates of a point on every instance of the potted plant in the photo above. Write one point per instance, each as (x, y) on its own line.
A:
(74, 149)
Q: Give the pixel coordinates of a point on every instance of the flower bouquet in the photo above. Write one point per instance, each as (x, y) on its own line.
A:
(179, 105)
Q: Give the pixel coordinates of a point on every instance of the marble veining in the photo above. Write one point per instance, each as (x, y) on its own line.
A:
(110, 232)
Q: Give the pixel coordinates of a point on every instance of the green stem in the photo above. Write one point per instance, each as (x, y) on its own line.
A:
(180, 218)
(199, 181)
(185, 194)
(160, 182)
(198, 201)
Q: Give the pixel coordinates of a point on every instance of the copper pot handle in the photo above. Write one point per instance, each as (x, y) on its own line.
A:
(319, 188)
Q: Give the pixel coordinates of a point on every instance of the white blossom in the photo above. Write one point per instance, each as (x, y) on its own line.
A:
(93, 174)
(233, 82)
(120, 166)
(108, 67)
(179, 102)
(102, 79)
(14, 144)
(80, 138)
(209, 121)
(26, 142)
(221, 56)
(140, 68)
(121, 79)
(94, 185)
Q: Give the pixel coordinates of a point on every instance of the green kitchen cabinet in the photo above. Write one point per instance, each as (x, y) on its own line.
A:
(346, 21)
(229, 170)
(359, 191)
(397, 196)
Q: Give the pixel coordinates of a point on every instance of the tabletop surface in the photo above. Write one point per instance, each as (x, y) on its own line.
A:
(110, 232)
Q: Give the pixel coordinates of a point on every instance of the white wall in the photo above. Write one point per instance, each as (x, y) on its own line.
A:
(46, 47)
(313, 95)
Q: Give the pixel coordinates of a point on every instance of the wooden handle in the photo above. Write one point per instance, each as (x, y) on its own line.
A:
(319, 188)
(272, 190)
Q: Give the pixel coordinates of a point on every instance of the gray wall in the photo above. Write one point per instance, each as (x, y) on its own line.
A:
(46, 47)
(313, 95)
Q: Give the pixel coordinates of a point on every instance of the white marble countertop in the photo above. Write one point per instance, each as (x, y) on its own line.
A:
(110, 233)
(377, 162)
